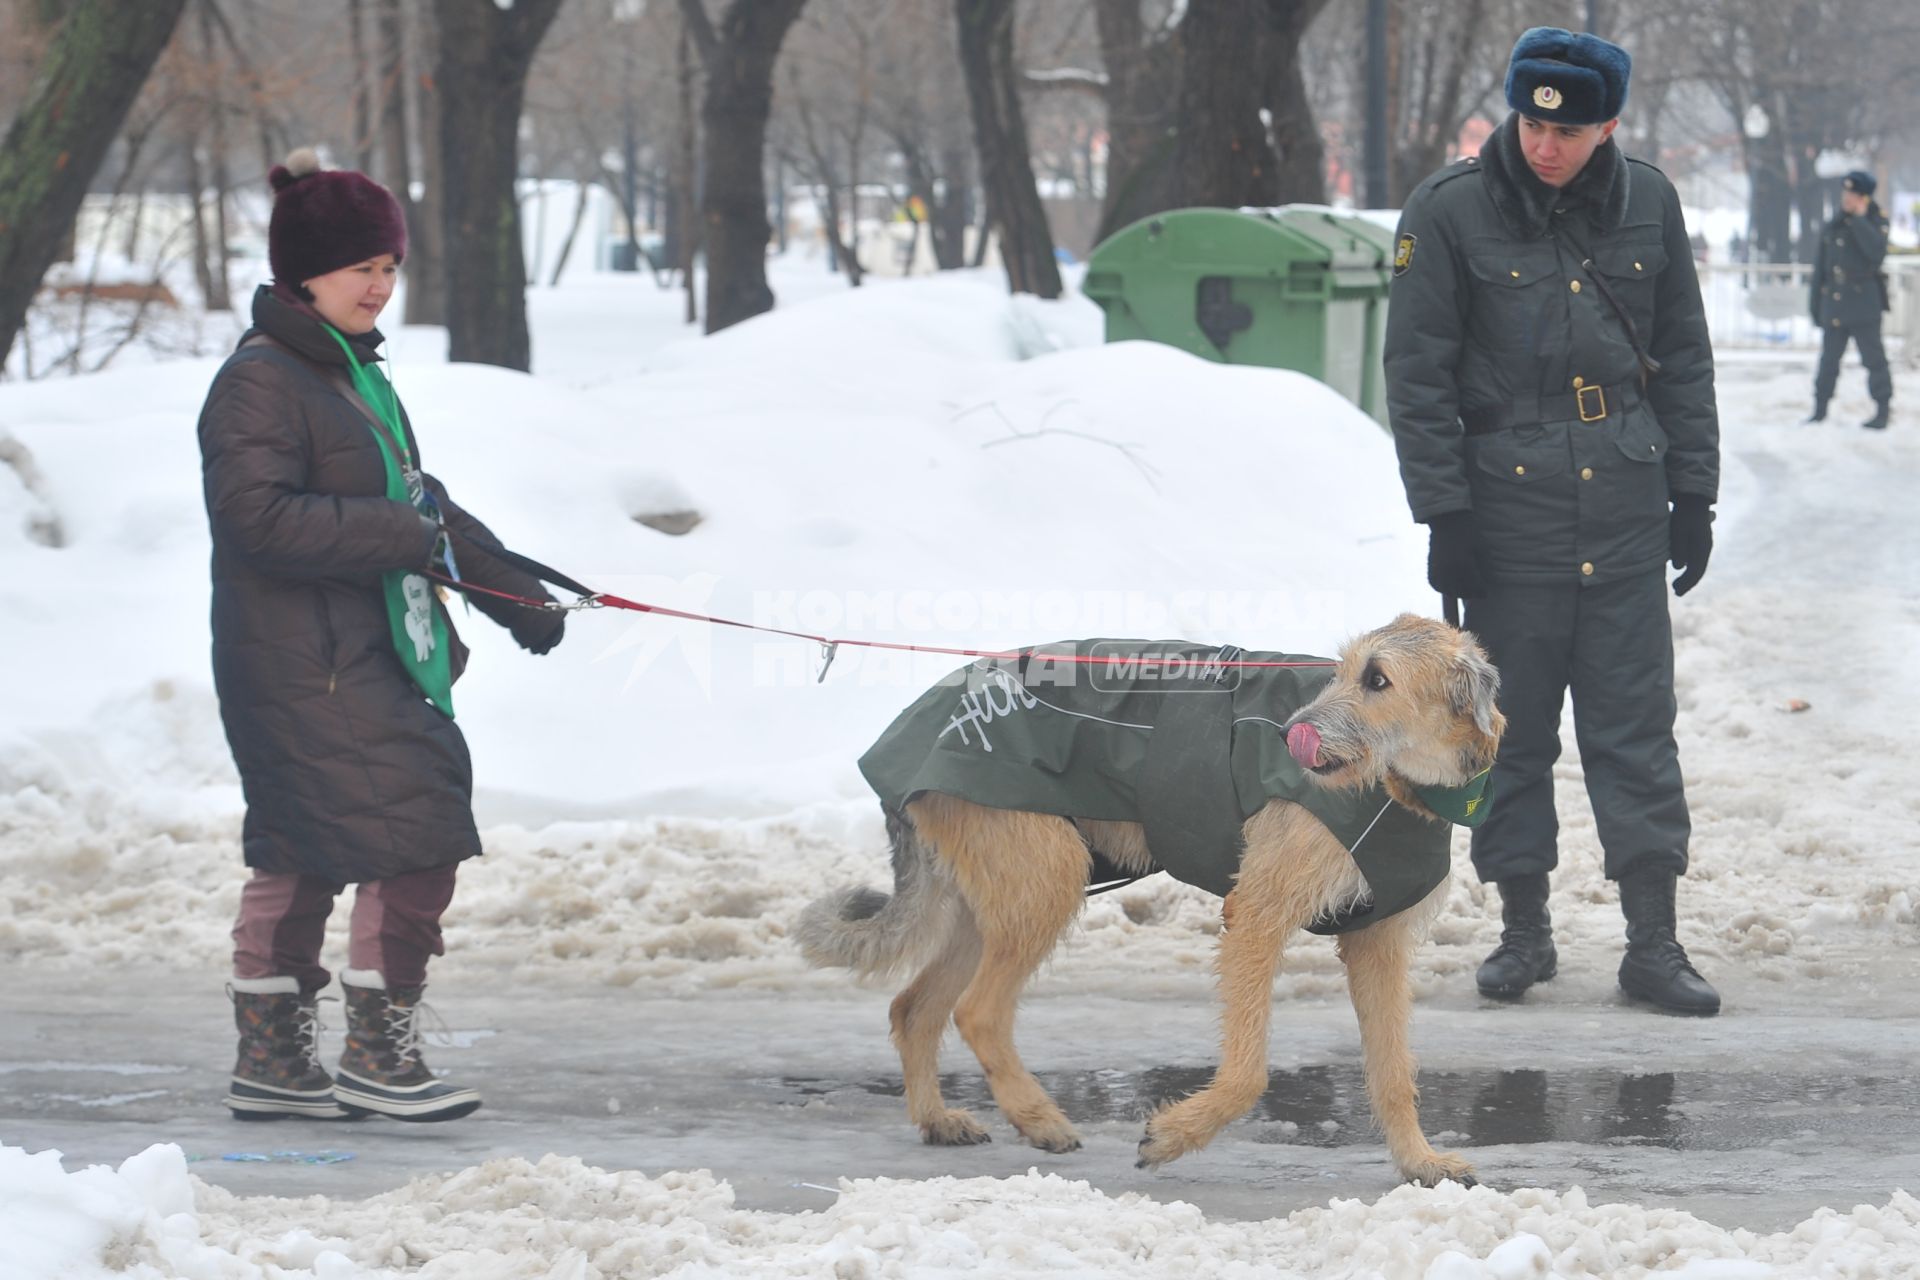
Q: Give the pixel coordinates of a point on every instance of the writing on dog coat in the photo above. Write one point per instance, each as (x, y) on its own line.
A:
(1159, 733)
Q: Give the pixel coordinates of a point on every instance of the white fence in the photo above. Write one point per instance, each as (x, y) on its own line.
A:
(1765, 305)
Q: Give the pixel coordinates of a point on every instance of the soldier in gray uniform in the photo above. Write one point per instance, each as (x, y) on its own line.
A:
(1550, 386)
(1849, 293)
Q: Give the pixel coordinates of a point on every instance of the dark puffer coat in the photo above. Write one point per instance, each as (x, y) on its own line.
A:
(349, 773)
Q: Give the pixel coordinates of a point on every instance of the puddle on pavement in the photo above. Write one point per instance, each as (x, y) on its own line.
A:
(1327, 1106)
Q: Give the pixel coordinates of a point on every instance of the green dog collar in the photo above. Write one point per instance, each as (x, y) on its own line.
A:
(1466, 805)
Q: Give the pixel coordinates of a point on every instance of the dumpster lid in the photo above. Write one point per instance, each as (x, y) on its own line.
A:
(1350, 240)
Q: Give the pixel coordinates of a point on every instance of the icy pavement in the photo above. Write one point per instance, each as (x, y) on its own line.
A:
(1755, 1119)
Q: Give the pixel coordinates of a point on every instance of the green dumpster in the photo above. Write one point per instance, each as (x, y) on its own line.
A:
(1298, 287)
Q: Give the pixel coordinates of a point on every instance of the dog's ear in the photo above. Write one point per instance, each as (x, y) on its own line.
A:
(1476, 689)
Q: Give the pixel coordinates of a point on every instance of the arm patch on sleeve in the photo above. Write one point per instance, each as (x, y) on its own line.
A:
(1403, 254)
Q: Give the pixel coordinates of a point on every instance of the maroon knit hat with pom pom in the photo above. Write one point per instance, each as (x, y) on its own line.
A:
(326, 219)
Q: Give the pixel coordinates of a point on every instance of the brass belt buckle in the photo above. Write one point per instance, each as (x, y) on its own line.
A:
(1580, 402)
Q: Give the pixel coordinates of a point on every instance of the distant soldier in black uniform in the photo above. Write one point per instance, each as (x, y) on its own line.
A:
(1849, 293)
(1550, 386)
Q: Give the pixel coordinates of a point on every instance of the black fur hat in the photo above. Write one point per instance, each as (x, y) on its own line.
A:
(1859, 180)
(326, 219)
(1566, 78)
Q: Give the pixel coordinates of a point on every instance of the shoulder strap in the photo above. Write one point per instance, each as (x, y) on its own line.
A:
(1648, 365)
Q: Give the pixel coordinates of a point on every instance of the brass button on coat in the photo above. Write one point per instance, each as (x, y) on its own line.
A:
(1519, 471)
(1574, 285)
(1587, 568)
(1586, 473)
(1579, 383)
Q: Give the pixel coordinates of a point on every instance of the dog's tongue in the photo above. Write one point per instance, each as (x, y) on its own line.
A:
(1303, 743)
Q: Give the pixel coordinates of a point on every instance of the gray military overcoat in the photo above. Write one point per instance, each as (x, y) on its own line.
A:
(1513, 386)
(1846, 271)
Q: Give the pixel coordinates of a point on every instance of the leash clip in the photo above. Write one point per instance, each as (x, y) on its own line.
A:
(829, 649)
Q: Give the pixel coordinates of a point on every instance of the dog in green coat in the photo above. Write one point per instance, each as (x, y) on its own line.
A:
(982, 894)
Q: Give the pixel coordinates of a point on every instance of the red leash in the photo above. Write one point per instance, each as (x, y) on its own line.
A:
(601, 600)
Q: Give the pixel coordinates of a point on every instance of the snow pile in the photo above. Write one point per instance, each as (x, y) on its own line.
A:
(565, 1220)
(659, 799)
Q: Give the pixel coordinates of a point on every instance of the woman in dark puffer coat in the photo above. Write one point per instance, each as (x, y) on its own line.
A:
(333, 661)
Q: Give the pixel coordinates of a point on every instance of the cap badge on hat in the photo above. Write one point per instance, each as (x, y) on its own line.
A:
(1546, 97)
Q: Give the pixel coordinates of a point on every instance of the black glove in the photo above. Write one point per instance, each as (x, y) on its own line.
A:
(1453, 556)
(1690, 531)
(538, 630)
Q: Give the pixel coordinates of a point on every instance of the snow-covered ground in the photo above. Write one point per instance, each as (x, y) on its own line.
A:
(929, 462)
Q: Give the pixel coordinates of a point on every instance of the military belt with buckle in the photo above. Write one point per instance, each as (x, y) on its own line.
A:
(1589, 404)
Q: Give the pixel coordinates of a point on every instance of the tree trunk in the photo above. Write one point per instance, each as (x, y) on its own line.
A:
(738, 56)
(1300, 172)
(217, 288)
(90, 75)
(426, 264)
(948, 228)
(1143, 76)
(484, 55)
(362, 87)
(573, 230)
(1000, 135)
(197, 224)
(1224, 156)
(1770, 203)
(686, 191)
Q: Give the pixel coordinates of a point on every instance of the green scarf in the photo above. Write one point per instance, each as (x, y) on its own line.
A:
(418, 622)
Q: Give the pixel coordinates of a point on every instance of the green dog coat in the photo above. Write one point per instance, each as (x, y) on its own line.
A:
(1167, 735)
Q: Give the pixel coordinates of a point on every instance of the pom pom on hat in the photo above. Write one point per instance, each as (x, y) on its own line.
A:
(298, 165)
(326, 219)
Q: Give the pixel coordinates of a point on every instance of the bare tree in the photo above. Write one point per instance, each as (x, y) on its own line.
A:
(484, 55)
(738, 57)
(92, 72)
(1000, 136)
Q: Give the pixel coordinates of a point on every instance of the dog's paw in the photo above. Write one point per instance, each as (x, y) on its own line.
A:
(955, 1129)
(1160, 1144)
(1443, 1166)
(1057, 1138)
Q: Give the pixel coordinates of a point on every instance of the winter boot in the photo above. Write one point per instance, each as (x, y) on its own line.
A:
(1819, 413)
(278, 1071)
(1525, 954)
(1882, 410)
(381, 1070)
(1656, 968)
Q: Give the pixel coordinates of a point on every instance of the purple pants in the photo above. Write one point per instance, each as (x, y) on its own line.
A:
(395, 926)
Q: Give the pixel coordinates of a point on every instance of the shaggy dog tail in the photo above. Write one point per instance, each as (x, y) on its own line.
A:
(876, 934)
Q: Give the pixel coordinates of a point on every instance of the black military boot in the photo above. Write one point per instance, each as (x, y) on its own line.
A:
(1819, 413)
(1525, 954)
(1656, 968)
(278, 1071)
(381, 1071)
(1878, 422)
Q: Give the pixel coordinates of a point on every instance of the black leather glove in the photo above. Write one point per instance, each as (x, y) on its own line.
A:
(538, 630)
(1690, 533)
(1453, 556)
